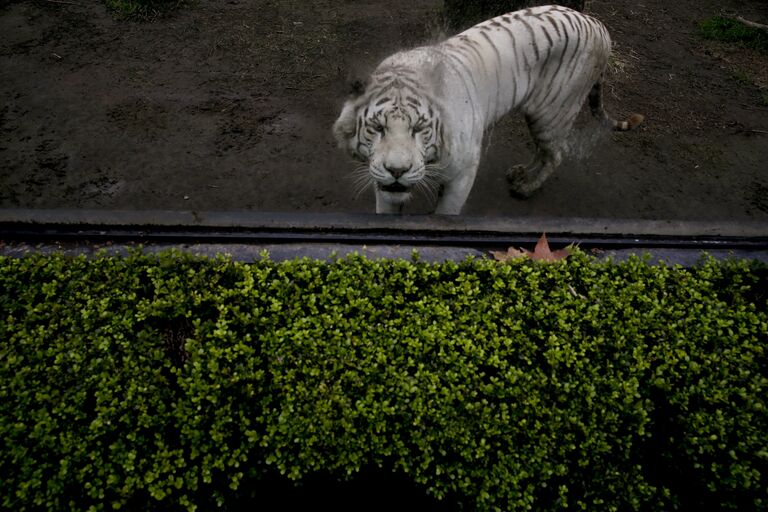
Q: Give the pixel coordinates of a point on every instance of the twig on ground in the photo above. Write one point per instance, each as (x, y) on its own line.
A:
(751, 23)
(751, 107)
(65, 2)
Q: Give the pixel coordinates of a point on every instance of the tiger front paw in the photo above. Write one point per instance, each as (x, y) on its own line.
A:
(519, 181)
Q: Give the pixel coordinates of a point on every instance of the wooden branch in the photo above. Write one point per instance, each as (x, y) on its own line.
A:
(752, 107)
(751, 23)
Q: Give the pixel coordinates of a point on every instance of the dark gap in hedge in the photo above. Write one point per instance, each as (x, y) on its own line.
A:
(372, 489)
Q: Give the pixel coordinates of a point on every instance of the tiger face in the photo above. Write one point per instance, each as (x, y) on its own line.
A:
(395, 136)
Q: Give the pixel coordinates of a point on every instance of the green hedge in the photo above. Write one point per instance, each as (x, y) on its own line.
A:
(171, 382)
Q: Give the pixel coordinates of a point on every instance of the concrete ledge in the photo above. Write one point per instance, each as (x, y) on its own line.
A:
(108, 219)
(245, 235)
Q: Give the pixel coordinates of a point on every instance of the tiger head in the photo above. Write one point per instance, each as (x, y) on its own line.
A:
(395, 135)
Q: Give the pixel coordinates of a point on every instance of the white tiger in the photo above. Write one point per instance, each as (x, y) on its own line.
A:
(420, 122)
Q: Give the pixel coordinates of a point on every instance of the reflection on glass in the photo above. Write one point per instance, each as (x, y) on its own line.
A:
(230, 106)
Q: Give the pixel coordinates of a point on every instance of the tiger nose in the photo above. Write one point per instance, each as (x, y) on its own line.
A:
(397, 170)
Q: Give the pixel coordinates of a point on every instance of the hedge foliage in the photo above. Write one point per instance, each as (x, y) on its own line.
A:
(171, 382)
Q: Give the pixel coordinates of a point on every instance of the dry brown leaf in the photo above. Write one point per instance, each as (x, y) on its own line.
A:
(510, 254)
(541, 252)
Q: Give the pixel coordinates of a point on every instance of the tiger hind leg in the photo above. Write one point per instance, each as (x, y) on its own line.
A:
(550, 134)
(595, 99)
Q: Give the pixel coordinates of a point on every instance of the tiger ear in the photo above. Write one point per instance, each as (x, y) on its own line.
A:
(345, 126)
(357, 88)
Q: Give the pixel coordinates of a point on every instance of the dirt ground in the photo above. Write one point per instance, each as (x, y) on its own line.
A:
(228, 105)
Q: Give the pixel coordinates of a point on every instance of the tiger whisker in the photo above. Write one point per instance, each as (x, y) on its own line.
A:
(358, 183)
(425, 189)
(358, 175)
(429, 187)
(435, 168)
(361, 188)
(361, 180)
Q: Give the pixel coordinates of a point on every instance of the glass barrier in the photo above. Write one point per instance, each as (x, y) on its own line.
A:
(230, 106)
